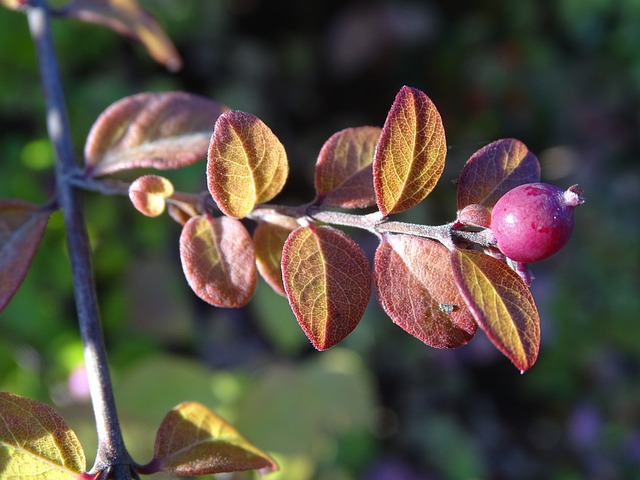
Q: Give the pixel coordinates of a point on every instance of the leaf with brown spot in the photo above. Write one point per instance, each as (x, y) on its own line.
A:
(343, 174)
(21, 227)
(36, 442)
(328, 283)
(410, 155)
(127, 18)
(246, 164)
(151, 130)
(218, 260)
(501, 304)
(148, 194)
(415, 287)
(494, 170)
(192, 440)
(268, 240)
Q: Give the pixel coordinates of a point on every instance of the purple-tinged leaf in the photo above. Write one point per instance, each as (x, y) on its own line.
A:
(151, 130)
(494, 170)
(218, 260)
(415, 287)
(21, 227)
(501, 304)
(343, 174)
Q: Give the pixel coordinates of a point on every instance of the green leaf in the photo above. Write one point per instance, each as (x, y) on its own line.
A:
(246, 165)
(36, 442)
(415, 287)
(494, 170)
(343, 174)
(268, 240)
(151, 130)
(148, 194)
(192, 440)
(21, 227)
(328, 283)
(128, 19)
(218, 260)
(501, 304)
(410, 155)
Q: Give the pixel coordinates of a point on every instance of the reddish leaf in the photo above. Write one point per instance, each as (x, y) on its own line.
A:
(36, 442)
(328, 283)
(343, 175)
(415, 286)
(192, 440)
(127, 18)
(218, 260)
(148, 194)
(21, 227)
(246, 165)
(268, 240)
(501, 304)
(494, 170)
(151, 130)
(410, 155)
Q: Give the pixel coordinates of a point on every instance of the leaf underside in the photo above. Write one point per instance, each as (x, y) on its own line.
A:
(327, 279)
(501, 304)
(268, 240)
(415, 287)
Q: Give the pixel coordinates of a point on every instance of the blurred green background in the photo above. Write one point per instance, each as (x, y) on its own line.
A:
(563, 77)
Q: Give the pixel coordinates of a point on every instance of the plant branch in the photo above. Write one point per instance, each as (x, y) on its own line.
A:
(112, 455)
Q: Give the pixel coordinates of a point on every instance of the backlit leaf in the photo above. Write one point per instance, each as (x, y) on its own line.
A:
(127, 18)
(501, 304)
(343, 175)
(410, 155)
(494, 170)
(13, 4)
(148, 194)
(192, 440)
(415, 286)
(36, 442)
(268, 240)
(21, 227)
(151, 130)
(328, 283)
(218, 260)
(246, 165)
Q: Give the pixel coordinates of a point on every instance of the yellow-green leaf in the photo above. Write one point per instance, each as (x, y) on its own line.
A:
(218, 260)
(501, 304)
(268, 240)
(246, 165)
(328, 283)
(148, 194)
(36, 442)
(21, 227)
(410, 155)
(151, 130)
(192, 440)
(343, 174)
(127, 18)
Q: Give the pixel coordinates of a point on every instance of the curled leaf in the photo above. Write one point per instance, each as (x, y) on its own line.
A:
(127, 18)
(36, 442)
(494, 170)
(21, 227)
(218, 260)
(148, 194)
(410, 155)
(343, 174)
(151, 130)
(328, 283)
(415, 287)
(268, 240)
(501, 304)
(246, 165)
(192, 440)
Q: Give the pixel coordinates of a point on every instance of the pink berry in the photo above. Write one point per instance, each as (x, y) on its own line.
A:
(533, 221)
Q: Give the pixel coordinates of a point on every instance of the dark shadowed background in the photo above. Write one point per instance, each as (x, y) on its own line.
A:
(563, 77)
